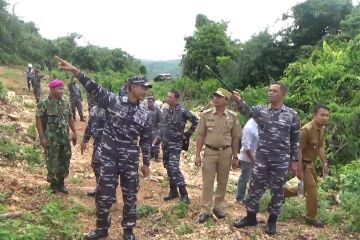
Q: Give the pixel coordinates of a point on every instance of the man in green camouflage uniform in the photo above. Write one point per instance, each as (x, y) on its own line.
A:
(53, 118)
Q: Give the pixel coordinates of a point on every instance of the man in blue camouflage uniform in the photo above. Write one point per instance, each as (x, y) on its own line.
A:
(94, 128)
(123, 89)
(155, 119)
(127, 126)
(279, 132)
(174, 119)
(75, 99)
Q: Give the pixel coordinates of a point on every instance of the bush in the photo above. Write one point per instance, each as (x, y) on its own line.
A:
(145, 211)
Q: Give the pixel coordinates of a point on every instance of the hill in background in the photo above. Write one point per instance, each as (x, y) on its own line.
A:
(156, 67)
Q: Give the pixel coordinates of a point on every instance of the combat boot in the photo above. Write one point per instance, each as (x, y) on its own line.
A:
(173, 193)
(62, 188)
(184, 195)
(128, 234)
(249, 220)
(53, 187)
(271, 225)
(97, 234)
(82, 119)
(91, 194)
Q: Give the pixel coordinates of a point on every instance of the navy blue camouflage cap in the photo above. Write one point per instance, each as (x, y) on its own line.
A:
(140, 80)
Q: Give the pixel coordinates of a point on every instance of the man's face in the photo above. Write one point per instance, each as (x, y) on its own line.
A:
(171, 99)
(275, 94)
(57, 92)
(219, 101)
(139, 91)
(321, 118)
(150, 103)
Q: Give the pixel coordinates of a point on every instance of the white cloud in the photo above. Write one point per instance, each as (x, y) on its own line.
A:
(147, 29)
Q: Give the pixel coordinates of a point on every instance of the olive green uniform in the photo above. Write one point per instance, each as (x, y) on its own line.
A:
(55, 115)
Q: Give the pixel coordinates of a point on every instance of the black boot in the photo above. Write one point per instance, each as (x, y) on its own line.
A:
(62, 188)
(128, 234)
(53, 187)
(184, 195)
(82, 119)
(271, 225)
(249, 220)
(97, 234)
(173, 193)
(91, 194)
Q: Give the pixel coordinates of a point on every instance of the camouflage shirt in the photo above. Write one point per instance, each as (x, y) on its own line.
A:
(155, 119)
(126, 122)
(173, 124)
(36, 80)
(74, 90)
(279, 130)
(55, 115)
(95, 125)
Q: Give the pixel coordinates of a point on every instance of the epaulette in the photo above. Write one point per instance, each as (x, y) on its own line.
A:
(232, 112)
(307, 126)
(208, 110)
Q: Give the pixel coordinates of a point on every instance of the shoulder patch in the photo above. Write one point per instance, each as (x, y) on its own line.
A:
(208, 110)
(307, 126)
(232, 112)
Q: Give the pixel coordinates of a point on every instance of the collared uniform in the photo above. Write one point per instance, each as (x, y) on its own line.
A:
(55, 116)
(172, 130)
(127, 127)
(312, 138)
(219, 132)
(75, 100)
(279, 132)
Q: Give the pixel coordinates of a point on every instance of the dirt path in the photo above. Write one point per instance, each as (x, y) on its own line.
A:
(166, 220)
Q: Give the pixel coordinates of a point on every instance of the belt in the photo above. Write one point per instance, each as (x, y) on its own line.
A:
(306, 161)
(217, 149)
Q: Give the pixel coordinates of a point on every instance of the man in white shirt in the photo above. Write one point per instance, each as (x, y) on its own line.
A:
(249, 143)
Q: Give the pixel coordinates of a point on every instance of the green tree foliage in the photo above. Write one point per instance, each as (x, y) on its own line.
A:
(208, 42)
(21, 42)
(313, 19)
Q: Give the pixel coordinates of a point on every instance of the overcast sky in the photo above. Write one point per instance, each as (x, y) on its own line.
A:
(148, 29)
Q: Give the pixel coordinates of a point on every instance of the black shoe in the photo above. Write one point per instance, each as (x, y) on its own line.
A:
(249, 220)
(271, 228)
(53, 188)
(171, 196)
(185, 199)
(315, 223)
(91, 194)
(97, 234)
(218, 213)
(271, 225)
(128, 234)
(62, 188)
(203, 217)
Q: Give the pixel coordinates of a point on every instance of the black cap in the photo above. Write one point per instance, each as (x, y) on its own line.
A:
(140, 80)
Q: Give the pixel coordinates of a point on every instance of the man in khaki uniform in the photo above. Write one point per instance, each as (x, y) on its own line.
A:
(312, 144)
(219, 129)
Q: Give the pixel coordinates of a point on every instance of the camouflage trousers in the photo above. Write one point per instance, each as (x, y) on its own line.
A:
(29, 82)
(76, 104)
(37, 92)
(57, 161)
(95, 160)
(155, 150)
(171, 160)
(117, 162)
(268, 171)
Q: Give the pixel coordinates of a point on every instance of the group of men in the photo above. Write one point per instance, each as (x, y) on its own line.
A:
(121, 127)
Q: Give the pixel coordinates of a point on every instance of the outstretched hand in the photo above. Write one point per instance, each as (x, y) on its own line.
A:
(66, 66)
(236, 96)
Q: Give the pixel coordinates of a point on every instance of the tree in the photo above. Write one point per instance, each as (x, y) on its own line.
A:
(313, 19)
(208, 42)
(143, 70)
